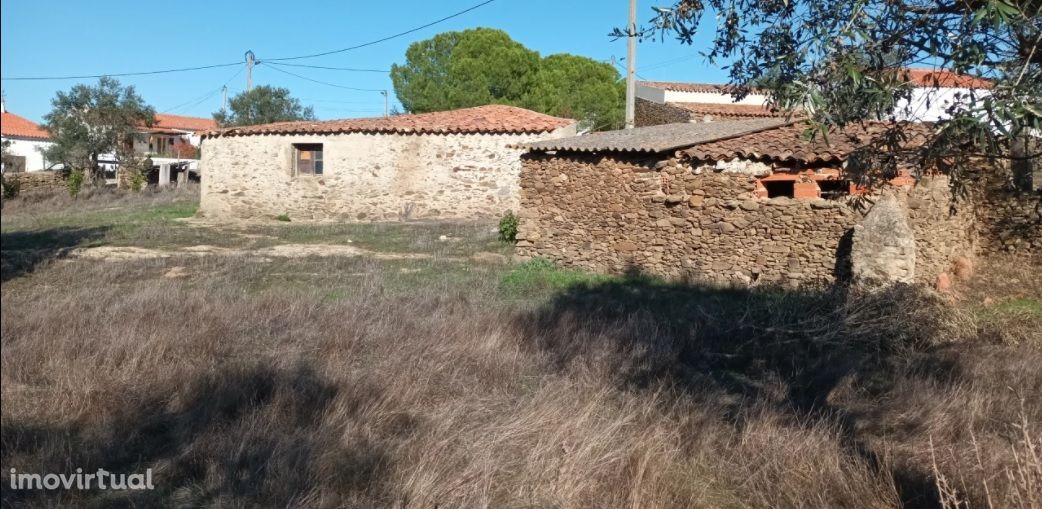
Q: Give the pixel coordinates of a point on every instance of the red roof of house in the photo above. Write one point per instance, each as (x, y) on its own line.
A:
(688, 87)
(21, 127)
(918, 77)
(729, 110)
(942, 78)
(491, 119)
(788, 144)
(167, 121)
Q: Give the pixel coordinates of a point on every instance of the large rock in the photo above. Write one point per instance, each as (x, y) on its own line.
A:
(883, 249)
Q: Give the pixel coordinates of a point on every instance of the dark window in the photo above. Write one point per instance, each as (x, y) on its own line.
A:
(777, 188)
(833, 189)
(308, 158)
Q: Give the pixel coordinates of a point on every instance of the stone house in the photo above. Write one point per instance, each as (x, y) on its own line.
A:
(747, 202)
(461, 164)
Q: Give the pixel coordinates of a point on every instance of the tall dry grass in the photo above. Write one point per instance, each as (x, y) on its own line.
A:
(631, 394)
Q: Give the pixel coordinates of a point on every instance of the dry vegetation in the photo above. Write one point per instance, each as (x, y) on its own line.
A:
(439, 382)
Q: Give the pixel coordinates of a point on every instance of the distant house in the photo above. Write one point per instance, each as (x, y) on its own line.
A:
(25, 142)
(173, 136)
(460, 164)
(661, 102)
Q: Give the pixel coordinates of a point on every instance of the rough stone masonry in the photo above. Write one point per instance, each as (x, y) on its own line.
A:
(674, 217)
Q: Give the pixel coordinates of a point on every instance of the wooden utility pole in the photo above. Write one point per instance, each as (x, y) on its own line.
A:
(224, 98)
(631, 66)
(249, 70)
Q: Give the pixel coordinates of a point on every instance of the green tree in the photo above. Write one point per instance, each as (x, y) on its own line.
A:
(581, 88)
(845, 61)
(263, 105)
(485, 66)
(88, 121)
(462, 69)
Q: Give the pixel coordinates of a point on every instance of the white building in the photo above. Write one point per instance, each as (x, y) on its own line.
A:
(669, 102)
(25, 142)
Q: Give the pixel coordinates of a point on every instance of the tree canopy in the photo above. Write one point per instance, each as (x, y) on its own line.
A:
(846, 61)
(263, 105)
(485, 66)
(88, 121)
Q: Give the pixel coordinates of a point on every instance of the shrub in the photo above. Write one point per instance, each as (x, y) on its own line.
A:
(136, 180)
(75, 182)
(508, 227)
(282, 217)
(11, 187)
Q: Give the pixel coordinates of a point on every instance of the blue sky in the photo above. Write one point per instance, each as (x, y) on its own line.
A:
(46, 38)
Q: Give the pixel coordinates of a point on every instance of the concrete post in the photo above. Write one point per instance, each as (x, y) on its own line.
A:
(182, 178)
(164, 175)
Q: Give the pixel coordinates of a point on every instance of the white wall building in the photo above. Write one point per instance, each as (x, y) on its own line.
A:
(25, 142)
(668, 102)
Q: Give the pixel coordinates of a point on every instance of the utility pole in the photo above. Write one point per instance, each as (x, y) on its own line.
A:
(631, 66)
(249, 70)
(387, 111)
(224, 98)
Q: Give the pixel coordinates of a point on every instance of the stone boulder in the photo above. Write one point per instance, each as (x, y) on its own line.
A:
(883, 247)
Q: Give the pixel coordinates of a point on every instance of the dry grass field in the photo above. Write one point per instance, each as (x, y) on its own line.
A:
(285, 365)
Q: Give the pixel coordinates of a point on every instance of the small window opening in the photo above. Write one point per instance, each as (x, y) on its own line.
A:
(780, 188)
(834, 189)
(308, 160)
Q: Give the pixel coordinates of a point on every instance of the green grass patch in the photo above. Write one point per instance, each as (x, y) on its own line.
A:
(540, 275)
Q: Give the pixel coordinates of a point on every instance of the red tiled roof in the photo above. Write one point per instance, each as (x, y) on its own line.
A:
(728, 110)
(688, 87)
(491, 119)
(21, 127)
(167, 121)
(787, 144)
(942, 78)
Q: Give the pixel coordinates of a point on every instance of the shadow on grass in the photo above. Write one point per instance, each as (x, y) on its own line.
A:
(739, 347)
(251, 435)
(22, 251)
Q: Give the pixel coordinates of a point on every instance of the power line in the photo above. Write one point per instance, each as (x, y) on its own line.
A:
(321, 82)
(194, 102)
(395, 36)
(384, 71)
(118, 75)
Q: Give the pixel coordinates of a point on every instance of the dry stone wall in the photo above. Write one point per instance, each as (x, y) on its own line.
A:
(1009, 218)
(647, 113)
(39, 182)
(666, 217)
(367, 177)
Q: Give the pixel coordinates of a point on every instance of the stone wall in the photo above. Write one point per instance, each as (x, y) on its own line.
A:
(651, 113)
(662, 216)
(366, 176)
(39, 182)
(1009, 219)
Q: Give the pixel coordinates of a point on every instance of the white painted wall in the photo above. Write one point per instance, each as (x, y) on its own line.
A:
(672, 96)
(31, 149)
(929, 104)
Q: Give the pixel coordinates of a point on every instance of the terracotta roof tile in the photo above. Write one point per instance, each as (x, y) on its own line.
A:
(656, 138)
(491, 119)
(728, 110)
(675, 86)
(21, 127)
(167, 121)
(787, 144)
(942, 78)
